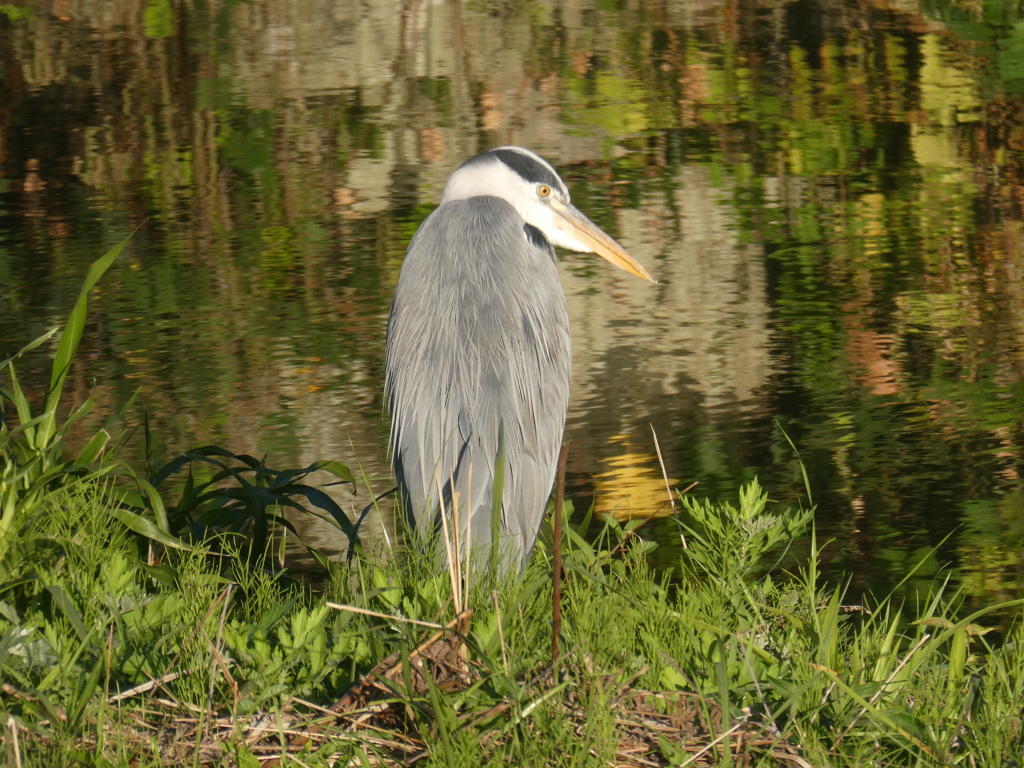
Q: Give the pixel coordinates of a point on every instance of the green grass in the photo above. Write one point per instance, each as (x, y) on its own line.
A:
(744, 666)
(135, 632)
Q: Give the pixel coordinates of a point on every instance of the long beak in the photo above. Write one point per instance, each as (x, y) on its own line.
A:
(569, 220)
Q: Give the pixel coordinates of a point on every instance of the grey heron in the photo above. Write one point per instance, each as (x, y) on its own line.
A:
(478, 350)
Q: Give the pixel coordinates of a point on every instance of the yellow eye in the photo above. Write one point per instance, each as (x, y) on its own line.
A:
(543, 190)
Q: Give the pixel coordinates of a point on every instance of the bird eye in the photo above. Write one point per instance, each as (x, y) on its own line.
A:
(543, 190)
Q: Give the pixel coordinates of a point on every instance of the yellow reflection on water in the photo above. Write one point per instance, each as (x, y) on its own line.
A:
(633, 485)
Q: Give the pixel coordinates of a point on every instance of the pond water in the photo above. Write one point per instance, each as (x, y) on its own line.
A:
(830, 195)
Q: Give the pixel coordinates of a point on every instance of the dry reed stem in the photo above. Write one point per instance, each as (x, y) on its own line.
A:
(664, 474)
(387, 616)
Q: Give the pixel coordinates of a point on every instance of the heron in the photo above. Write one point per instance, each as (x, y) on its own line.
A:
(478, 351)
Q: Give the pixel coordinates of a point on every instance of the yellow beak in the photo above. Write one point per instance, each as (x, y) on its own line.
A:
(569, 220)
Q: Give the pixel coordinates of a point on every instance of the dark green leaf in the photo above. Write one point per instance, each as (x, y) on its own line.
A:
(147, 528)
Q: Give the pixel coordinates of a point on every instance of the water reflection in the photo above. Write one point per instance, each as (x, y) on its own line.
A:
(830, 195)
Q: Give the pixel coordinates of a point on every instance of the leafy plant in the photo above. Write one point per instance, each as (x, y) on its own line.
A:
(730, 543)
(243, 495)
(32, 452)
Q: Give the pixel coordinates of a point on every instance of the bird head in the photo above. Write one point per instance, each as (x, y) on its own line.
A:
(531, 186)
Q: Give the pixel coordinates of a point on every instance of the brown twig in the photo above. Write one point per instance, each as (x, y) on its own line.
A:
(438, 648)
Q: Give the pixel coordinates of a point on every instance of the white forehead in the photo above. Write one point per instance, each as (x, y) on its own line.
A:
(505, 172)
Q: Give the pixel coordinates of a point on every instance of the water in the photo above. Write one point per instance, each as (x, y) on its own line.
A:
(828, 194)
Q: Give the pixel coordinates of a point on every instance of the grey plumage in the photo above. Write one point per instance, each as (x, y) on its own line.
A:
(478, 347)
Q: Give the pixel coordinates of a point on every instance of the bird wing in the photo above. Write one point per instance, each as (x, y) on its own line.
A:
(478, 347)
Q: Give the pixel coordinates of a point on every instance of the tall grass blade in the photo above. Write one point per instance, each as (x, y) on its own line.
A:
(30, 346)
(29, 424)
(93, 448)
(800, 462)
(72, 334)
(84, 694)
(71, 613)
(147, 528)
